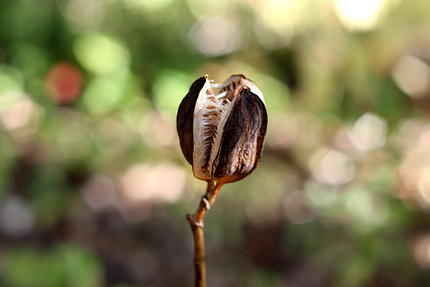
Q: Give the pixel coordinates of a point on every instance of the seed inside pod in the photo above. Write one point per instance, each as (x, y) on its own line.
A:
(216, 121)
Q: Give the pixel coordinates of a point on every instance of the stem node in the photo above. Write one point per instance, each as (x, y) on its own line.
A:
(196, 224)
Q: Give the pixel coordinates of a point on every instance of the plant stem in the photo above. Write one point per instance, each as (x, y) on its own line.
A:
(196, 223)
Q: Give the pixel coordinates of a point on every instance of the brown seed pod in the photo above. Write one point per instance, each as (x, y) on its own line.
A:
(222, 128)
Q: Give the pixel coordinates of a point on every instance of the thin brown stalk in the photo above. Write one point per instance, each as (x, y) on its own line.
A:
(196, 223)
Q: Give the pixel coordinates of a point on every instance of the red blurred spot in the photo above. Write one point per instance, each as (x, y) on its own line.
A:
(64, 82)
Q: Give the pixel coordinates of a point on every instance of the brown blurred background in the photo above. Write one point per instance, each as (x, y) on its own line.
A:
(94, 188)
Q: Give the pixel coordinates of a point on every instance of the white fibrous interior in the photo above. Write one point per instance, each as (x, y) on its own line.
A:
(210, 113)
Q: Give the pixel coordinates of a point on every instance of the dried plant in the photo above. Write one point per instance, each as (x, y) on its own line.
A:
(221, 130)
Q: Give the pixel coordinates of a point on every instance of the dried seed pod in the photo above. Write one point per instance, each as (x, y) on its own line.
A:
(222, 128)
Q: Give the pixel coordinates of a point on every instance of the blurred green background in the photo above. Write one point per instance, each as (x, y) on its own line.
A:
(94, 188)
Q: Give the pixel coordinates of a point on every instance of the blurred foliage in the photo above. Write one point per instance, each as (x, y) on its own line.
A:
(94, 188)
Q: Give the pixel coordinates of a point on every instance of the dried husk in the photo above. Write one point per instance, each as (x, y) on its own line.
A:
(222, 128)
